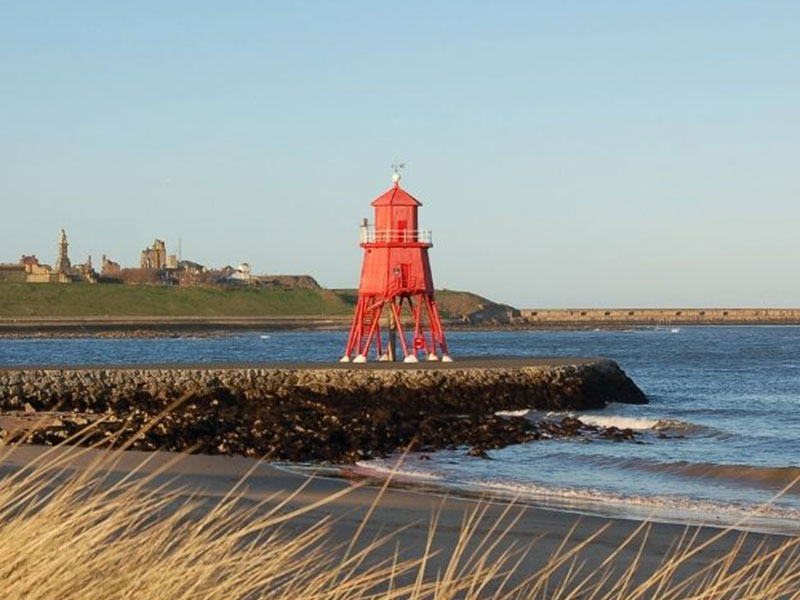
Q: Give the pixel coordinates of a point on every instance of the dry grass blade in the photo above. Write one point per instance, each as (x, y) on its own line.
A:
(99, 533)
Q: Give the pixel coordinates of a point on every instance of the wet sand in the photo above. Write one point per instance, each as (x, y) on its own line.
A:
(406, 510)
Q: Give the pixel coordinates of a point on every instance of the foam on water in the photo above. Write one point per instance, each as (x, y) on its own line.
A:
(598, 420)
(512, 413)
(673, 508)
(383, 468)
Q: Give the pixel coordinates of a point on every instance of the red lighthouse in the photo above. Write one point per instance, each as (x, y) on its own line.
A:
(396, 279)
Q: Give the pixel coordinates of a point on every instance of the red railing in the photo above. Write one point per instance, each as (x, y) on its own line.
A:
(371, 235)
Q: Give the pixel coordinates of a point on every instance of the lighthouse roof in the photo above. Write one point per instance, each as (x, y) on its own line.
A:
(396, 196)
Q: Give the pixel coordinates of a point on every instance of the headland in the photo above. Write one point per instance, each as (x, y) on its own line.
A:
(138, 310)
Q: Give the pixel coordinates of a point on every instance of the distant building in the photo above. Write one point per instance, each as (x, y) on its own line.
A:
(242, 273)
(35, 272)
(63, 265)
(155, 257)
(12, 272)
(86, 271)
(28, 262)
(109, 268)
(190, 267)
(64, 271)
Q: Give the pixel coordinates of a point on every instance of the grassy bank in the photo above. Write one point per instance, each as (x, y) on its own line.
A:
(113, 300)
(116, 300)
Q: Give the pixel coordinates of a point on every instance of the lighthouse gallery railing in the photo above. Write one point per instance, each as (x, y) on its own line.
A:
(370, 235)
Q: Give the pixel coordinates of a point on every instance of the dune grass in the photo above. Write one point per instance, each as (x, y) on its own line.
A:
(80, 534)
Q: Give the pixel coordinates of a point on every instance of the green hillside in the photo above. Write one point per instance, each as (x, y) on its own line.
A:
(452, 304)
(115, 300)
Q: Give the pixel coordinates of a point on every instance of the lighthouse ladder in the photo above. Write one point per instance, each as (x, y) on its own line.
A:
(370, 327)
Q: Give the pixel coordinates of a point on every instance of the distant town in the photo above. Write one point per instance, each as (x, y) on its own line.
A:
(156, 267)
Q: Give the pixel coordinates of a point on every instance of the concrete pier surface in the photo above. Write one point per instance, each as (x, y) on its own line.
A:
(310, 411)
(476, 362)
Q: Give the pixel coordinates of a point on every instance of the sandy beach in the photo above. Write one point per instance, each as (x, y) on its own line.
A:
(406, 513)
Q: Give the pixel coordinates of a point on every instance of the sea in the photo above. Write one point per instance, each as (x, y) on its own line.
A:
(719, 441)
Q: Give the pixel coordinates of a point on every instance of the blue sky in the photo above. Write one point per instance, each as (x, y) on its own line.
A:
(567, 153)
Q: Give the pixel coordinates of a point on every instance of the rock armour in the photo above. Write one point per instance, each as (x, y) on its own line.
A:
(311, 414)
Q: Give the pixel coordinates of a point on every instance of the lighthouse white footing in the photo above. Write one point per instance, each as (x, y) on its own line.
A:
(446, 358)
(432, 357)
(360, 359)
(410, 359)
(384, 358)
(344, 359)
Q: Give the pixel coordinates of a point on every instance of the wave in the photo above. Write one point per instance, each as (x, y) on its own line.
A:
(618, 421)
(754, 476)
(513, 413)
(635, 423)
(668, 508)
(388, 467)
(642, 423)
(586, 500)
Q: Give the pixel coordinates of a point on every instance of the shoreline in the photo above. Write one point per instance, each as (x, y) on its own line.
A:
(14, 329)
(750, 519)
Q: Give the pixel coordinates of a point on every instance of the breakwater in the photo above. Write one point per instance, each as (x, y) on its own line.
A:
(310, 412)
(576, 317)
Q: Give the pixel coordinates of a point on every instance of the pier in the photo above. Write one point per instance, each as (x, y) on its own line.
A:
(308, 411)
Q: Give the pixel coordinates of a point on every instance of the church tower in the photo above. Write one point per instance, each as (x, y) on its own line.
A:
(62, 264)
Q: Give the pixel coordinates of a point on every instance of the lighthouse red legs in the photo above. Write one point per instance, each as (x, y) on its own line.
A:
(437, 331)
(366, 328)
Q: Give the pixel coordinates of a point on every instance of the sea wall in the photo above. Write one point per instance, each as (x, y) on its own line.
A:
(660, 316)
(312, 412)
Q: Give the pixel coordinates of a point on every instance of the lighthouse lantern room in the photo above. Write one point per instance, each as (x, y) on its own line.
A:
(396, 281)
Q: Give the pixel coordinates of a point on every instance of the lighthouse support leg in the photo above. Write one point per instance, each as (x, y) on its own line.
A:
(378, 343)
(375, 314)
(392, 341)
(355, 330)
(396, 312)
(436, 326)
(419, 330)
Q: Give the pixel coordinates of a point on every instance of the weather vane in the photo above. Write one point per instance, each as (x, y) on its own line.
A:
(396, 170)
